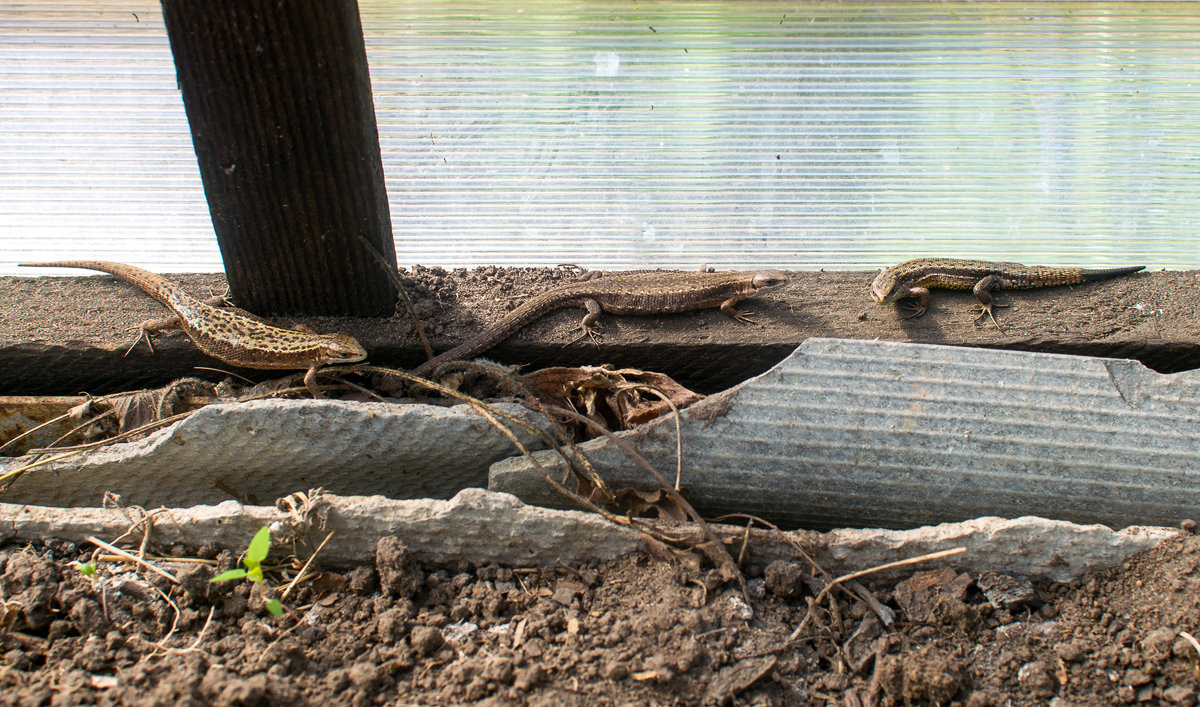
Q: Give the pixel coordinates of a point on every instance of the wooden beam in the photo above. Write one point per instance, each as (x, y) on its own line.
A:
(279, 101)
(70, 334)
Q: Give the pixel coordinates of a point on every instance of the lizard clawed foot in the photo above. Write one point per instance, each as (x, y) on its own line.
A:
(986, 310)
(142, 334)
(153, 326)
(218, 300)
(914, 310)
(587, 331)
(741, 315)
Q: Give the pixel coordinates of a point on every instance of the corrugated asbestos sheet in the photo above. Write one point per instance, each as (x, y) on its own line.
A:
(617, 134)
(867, 433)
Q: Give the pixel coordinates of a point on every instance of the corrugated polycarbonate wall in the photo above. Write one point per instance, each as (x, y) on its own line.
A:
(800, 135)
(96, 157)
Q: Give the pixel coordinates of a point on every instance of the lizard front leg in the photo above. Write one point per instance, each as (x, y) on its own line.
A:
(734, 313)
(152, 326)
(310, 381)
(922, 306)
(983, 293)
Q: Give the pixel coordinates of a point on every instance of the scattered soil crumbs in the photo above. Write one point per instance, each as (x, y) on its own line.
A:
(491, 292)
(636, 631)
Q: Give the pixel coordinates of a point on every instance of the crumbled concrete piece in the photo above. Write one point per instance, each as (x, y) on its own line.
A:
(480, 527)
(1032, 547)
(881, 434)
(264, 449)
(476, 526)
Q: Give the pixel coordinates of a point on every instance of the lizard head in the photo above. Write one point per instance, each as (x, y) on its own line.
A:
(765, 280)
(886, 286)
(340, 348)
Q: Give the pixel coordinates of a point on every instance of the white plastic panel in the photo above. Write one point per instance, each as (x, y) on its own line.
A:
(800, 135)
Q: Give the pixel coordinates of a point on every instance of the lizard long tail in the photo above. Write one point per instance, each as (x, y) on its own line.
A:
(153, 284)
(1102, 273)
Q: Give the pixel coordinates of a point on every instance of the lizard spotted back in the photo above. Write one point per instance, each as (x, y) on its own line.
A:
(914, 278)
(634, 293)
(234, 337)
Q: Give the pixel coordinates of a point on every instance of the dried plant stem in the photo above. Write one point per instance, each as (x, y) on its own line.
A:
(131, 557)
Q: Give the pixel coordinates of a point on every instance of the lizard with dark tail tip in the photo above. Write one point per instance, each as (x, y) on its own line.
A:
(227, 335)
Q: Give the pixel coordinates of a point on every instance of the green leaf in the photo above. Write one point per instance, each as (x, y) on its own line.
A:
(228, 575)
(259, 546)
(274, 607)
(87, 569)
(255, 573)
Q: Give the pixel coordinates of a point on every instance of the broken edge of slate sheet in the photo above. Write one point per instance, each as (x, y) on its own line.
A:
(480, 527)
(894, 435)
(265, 449)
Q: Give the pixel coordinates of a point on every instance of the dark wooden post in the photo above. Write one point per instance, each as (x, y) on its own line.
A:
(279, 102)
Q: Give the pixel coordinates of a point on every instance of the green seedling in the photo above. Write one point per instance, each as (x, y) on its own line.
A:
(256, 552)
(87, 569)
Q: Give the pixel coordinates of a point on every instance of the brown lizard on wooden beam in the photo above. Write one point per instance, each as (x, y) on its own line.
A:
(236, 338)
(634, 293)
(914, 278)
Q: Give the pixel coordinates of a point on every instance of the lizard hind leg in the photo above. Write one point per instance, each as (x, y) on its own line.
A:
(591, 333)
(983, 293)
(143, 333)
(587, 326)
(149, 327)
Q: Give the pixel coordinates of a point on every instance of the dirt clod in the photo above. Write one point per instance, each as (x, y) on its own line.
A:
(785, 579)
(426, 640)
(399, 573)
(927, 675)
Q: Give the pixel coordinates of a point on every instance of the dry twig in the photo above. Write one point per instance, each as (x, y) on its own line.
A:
(132, 558)
(871, 570)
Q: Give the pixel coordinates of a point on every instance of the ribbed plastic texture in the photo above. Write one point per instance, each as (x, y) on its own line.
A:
(264, 449)
(882, 434)
(610, 134)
